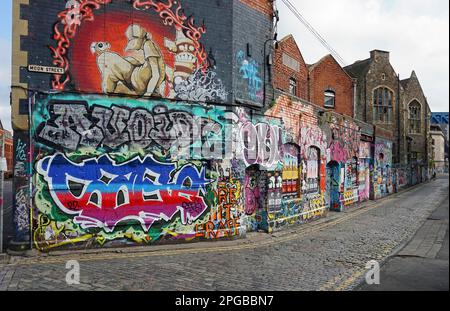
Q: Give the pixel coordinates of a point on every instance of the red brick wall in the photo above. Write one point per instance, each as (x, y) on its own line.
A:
(282, 73)
(8, 152)
(264, 6)
(328, 74)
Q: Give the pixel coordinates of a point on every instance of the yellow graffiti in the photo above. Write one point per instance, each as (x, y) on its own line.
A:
(47, 234)
(350, 197)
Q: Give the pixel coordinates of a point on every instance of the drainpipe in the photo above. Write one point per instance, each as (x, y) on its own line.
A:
(354, 99)
(267, 63)
(309, 85)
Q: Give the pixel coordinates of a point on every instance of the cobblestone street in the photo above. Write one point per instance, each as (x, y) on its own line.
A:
(329, 254)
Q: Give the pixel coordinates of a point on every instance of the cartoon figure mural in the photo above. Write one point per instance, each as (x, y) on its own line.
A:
(159, 54)
(128, 75)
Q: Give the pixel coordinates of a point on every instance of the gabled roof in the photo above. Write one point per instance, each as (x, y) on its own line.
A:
(404, 83)
(329, 56)
(298, 49)
(359, 68)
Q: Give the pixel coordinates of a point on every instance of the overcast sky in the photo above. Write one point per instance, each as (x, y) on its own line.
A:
(415, 32)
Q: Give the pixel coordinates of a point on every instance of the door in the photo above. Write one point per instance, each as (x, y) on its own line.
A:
(333, 186)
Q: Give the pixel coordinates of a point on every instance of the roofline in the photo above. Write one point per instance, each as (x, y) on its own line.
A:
(312, 66)
(285, 38)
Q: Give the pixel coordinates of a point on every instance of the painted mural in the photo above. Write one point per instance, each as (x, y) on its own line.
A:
(22, 173)
(137, 142)
(111, 170)
(343, 144)
(159, 53)
(114, 169)
(382, 179)
(301, 196)
(365, 156)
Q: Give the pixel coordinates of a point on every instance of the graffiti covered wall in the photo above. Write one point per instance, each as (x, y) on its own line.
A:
(365, 156)
(344, 138)
(169, 49)
(104, 170)
(297, 189)
(22, 196)
(111, 168)
(382, 173)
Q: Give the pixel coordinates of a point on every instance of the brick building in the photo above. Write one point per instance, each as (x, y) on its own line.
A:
(415, 126)
(8, 140)
(397, 106)
(290, 70)
(440, 162)
(330, 86)
(160, 88)
(377, 93)
(441, 119)
(136, 125)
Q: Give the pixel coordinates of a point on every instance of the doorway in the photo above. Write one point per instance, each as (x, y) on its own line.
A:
(333, 186)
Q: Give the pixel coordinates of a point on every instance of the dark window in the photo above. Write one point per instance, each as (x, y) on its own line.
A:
(330, 99)
(23, 107)
(415, 120)
(293, 86)
(383, 99)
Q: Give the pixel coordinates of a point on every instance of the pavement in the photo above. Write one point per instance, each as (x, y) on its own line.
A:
(423, 264)
(329, 254)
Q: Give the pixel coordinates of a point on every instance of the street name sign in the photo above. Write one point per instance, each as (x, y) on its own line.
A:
(45, 69)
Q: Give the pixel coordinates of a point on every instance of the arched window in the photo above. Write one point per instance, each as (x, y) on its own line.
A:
(383, 99)
(330, 99)
(415, 120)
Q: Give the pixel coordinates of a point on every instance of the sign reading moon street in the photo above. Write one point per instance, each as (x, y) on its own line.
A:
(45, 69)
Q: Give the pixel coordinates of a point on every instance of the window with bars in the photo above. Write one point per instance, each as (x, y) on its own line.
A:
(383, 103)
(415, 120)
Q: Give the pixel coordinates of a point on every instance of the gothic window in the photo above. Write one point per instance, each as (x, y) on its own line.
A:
(415, 120)
(383, 105)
